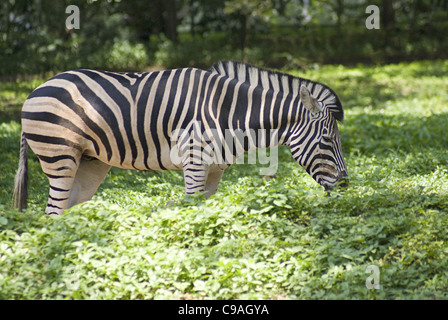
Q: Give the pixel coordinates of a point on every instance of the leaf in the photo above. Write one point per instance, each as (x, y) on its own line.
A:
(346, 256)
(3, 221)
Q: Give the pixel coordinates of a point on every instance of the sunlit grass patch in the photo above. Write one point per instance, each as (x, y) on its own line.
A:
(257, 238)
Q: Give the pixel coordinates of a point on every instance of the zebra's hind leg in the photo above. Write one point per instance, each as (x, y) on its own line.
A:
(60, 171)
(91, 172)
(72, 180)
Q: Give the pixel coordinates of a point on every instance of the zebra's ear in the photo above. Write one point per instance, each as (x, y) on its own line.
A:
(309, 101)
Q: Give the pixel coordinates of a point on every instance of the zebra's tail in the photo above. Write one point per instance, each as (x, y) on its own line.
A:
(20, 195)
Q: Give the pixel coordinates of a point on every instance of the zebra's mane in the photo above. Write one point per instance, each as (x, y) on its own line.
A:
(277, 81)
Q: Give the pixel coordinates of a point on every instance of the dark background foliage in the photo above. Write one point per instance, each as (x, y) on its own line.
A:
(133, 34)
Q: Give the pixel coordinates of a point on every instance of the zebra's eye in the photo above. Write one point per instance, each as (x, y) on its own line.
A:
(327, 139)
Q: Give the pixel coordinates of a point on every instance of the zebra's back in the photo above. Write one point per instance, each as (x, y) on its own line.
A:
(122, 119)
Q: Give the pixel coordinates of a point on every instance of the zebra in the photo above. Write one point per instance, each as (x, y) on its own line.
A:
(80, 123)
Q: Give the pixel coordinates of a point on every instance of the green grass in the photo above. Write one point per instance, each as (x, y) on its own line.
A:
(281, 238)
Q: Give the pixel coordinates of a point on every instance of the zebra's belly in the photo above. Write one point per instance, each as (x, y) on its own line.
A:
(160, 159)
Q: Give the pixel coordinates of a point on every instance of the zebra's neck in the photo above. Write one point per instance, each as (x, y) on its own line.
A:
(269, 113)
(264, 99)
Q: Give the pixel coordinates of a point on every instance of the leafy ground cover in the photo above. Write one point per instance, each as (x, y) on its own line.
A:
(279, 238)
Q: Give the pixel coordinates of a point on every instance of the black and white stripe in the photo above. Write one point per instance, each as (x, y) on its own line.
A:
(308, 127)
(80, 123)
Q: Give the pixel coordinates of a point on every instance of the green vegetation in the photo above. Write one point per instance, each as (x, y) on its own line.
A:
(279, 238)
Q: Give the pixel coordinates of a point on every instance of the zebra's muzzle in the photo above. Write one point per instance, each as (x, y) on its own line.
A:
(341, 182)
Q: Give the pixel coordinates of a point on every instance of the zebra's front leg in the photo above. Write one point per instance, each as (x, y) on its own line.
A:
(212, 182)
(195, 177)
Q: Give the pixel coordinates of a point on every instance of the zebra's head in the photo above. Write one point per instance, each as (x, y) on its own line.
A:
(315, 143)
